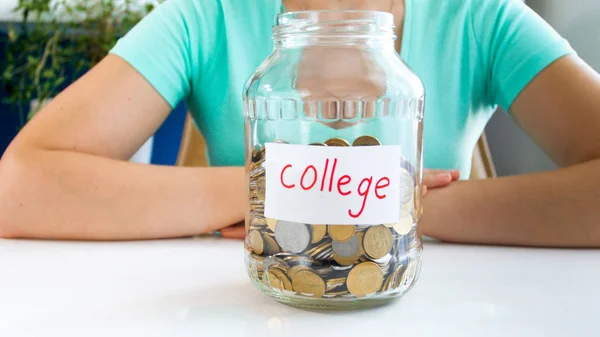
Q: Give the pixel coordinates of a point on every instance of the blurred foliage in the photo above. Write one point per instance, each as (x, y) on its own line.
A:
(56, 41)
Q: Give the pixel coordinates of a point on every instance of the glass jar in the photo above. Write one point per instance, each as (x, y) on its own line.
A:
(333, 123)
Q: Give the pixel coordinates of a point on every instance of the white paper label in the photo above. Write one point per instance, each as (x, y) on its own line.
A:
(333, 185)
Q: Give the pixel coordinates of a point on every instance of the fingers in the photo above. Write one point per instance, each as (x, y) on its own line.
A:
(454, 173)
(437, 180)
(234, 232)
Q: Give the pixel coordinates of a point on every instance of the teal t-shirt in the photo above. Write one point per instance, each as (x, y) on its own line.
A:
(471, 55)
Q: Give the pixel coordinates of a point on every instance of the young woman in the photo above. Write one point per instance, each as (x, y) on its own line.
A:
(66, 176)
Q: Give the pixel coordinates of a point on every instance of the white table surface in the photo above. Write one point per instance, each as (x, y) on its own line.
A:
(198, 287)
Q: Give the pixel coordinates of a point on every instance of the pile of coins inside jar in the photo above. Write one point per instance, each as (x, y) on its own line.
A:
(329, 261)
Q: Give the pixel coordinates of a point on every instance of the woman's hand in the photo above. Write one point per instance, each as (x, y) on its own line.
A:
(431, 179)
(438, 178)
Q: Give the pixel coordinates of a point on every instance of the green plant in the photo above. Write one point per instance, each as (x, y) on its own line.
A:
(56, 41)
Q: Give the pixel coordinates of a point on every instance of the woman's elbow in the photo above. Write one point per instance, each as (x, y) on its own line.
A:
(13, 180)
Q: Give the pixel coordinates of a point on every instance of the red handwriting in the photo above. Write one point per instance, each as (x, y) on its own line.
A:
(311, 176)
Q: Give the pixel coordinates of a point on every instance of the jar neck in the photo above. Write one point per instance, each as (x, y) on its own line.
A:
(323, 41)
(359, 29)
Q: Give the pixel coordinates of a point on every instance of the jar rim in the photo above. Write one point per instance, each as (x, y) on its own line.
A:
(336, 22)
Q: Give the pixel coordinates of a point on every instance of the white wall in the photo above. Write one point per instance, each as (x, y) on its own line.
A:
(579, 22)
(6, 7)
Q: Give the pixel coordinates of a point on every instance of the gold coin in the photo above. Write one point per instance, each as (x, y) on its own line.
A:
(365, 278)
(346, 261)
(308, 283)
(404, 226)
(257, 221)
(258, 154)
(318, 249)
(260, 188)
(361, 246)
(335, 294)
(318, 233)
(292, 271)
(378, 241)
(296, 259)
(273, 280)
(387, 283)
(398, 275)
(336, 142)
(335, 282)
(366, 141)
(271, 223)
(280, 274)
(341, 232)
(255, 241)
(270, 246)
(409, 274)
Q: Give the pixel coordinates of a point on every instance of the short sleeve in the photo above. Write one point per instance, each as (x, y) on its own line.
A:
(158, 47)
(515, 45)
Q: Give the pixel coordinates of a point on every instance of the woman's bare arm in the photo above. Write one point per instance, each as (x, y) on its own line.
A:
(65, 176)
(560, 110)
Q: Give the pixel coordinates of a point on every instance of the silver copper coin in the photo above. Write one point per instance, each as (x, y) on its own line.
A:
(292, 237)
(347, 248)
(407, 187)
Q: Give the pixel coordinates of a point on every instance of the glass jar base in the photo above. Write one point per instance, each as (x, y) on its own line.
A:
(331, 304)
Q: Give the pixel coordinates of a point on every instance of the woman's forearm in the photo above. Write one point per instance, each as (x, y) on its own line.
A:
(552, 209)
(68, 195)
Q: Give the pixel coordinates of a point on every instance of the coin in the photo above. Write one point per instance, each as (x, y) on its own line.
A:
(318, 233)
(336, 142)
(256, 221)
(280, 274)
(346, 248)
(387, 284)
(361, 246)
(346, 261)
(318, 249)
(378, 241)
(333, 283)
(365, 278)
(321, 251)
(318, 144)
(270, 246)
(341, 232)
(275, 262)
(260, 188)
(366, 141)
(409, 274)
(273, 280)
(293, 259)
(397, 275)
(291, 236)
(258, 153)
(407, 208)
(271, 223)
(292, 271)
(308, 283)
(255, 241)
(404, 226)
(335, 294)
(407, 187)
